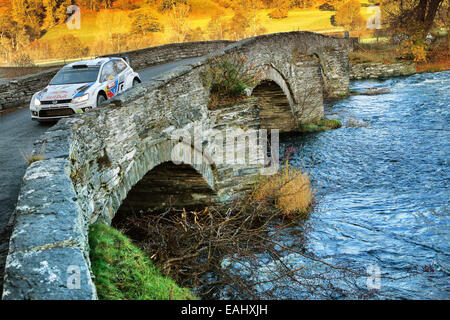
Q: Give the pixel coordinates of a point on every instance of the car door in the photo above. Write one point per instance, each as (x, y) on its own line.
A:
(109, 80)
(119, 68)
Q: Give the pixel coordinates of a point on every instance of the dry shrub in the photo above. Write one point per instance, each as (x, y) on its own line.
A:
(279, 13)
(290, 191)
(187, 246)
(22, 59)
(190, 245)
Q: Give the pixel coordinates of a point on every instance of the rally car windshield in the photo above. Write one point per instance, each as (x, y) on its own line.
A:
(72, 76)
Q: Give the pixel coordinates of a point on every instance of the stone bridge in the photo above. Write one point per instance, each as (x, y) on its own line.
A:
(120, 156)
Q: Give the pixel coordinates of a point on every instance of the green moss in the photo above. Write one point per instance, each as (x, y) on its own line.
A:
(310, 128)
(330, 123)
(341, 95)
(320, 125)
(123, 272)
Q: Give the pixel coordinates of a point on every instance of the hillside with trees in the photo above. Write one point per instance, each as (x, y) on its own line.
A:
(36, 30)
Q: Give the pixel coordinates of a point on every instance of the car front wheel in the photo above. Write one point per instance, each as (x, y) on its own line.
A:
(100, 99)
(136, 82)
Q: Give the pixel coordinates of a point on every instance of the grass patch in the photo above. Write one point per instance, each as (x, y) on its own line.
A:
(123, 272)
(433, 67)
(321, 125)
(374, 53)
(31, 158)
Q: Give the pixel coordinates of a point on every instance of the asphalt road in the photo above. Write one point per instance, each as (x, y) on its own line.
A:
(17, 134)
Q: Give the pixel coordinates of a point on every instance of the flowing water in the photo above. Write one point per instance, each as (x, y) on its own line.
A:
(382, 184)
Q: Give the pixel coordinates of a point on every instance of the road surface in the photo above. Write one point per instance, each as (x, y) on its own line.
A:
(17, 134)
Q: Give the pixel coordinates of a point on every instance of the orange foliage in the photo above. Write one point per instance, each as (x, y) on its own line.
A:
(290, 190)
(349, 15)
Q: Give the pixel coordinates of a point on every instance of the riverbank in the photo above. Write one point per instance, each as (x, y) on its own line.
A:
(384, 60)
(378, 70)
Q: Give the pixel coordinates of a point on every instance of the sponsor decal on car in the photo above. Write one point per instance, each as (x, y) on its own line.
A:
(112, 88)
(81, 90)
(61, 94)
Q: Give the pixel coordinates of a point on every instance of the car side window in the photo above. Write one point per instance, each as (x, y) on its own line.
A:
(108, 72)
(119, 66)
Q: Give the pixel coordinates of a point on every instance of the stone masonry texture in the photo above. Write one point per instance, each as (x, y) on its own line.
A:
(92, 161)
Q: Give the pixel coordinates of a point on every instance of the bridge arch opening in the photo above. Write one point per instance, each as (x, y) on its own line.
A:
(275, 107)
(167, 185)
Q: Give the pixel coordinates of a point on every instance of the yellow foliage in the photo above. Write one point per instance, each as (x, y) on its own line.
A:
(412, 49)
(279, 13)
(290, 191)
(419, 53)
(349, 15)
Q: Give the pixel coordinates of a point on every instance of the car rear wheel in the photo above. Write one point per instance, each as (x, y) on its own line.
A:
(100, 99)
(135, 82)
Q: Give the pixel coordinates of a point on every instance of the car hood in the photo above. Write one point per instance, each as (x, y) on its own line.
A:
(64, 91)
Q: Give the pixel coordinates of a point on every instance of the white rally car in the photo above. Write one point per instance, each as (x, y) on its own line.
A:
(81, 86)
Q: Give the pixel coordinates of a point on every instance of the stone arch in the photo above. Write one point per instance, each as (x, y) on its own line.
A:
(324, 73)
(166, 185)
(272, 74)
(275, 101)
(155, 163)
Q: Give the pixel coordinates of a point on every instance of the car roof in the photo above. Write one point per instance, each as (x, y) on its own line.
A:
(97, 62)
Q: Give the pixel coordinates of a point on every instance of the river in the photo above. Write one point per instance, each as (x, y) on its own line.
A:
(382, 185)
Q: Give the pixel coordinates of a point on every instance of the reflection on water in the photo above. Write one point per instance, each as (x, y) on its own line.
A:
(381, 186)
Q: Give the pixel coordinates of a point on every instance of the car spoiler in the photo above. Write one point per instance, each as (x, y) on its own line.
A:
(124, 57)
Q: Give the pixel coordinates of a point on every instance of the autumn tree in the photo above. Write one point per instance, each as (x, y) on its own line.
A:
(28, 14)
(179, 22)
(196, 34)
(68, 46)
(238, 25)
(349, 15)
(410, 23)
(413, 15)
(144, 21)
(281, 9)
(217, 25)
(50, 16)
(303, 4)
(245, 21)
(115, 24)
(250, 8)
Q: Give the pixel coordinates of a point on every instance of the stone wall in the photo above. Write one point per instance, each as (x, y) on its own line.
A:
(147, 57)
(17, 92)
(379, 70)
(92, 161)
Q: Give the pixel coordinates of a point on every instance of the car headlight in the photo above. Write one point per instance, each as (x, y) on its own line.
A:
(82, 98)
(37, 102)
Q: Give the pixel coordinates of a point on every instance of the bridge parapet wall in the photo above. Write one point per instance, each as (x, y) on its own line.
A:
(147, 57)
(18, 91)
